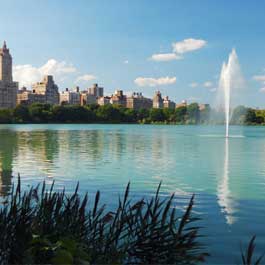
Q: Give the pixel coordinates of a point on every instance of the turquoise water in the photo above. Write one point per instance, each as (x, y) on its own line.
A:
(227, 176)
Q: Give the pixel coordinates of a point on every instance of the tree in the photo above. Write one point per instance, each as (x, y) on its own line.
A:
(5, 116)
(250, 116)
(205, 114)
(40, 113)
(108, 113)
(180, 114)
(21, 114)
(156, 115)
(238, 116)
(193, 113)
(169, 114)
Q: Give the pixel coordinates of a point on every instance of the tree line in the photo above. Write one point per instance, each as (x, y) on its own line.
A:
(45, 113)
(191, 114)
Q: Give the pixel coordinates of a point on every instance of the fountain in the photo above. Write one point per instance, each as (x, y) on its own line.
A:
(230, 81)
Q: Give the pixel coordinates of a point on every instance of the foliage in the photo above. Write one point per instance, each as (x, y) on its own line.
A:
(247, 257)
(239, 115)
(45, 113)
(6, 116)
(191, 114)
(41, 226)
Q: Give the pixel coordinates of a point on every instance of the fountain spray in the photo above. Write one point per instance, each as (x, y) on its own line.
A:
(230, 79)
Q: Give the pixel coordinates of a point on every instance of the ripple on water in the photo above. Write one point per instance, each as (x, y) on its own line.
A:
(227, 177)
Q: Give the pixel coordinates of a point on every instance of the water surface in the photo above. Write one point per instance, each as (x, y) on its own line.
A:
(227, 176)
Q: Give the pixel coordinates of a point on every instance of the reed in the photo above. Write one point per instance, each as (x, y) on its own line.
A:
(43, 226)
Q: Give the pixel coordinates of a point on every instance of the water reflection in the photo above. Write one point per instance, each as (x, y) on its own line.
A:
(8, 148)
(224, 193)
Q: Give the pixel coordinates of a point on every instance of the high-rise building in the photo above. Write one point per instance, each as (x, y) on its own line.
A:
(101, 101)
(157, 100)
(96, 91)
(47, 88)
(70, 97)
(138, 101)
(182, 104)
(168, 104)
(8, 88)
(118, 98)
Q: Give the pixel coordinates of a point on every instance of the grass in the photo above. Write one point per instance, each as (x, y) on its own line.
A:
(41, 226)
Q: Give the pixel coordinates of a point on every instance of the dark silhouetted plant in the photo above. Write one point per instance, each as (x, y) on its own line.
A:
(43, 226)
(248, 256)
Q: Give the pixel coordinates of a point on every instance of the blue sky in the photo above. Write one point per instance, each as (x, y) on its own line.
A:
(111, 42)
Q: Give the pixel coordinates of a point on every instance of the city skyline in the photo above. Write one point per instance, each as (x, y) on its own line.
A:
(175, 47)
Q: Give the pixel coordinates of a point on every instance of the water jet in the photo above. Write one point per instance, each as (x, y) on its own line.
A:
(230, 80)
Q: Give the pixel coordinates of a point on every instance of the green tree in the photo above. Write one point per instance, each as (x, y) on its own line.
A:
(21, 114)
(193, 113)
(180, 114)
(250, 116)
(130, 115)
(40, 113)
(5, 116)
(169, 114)
(205, 115)
(156, 115)
(238, 116)
(142, 115)
(108, 113)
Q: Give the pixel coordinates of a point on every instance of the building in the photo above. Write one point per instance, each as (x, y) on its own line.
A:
(8, 88)
(27, 97)
(103, 101)
(138, 101)
(167, 103)
(48, 89)
(182, 104)
(118, 98)
(157, 100)
(204, 107)
(70, 97)
(96, 91)
(87, 99)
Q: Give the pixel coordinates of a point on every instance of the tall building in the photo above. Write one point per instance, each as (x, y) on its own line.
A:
(8, 88)
(168, 104)
(138, 101)
(101, 101)
(157, 100)
(47, 88)
(182, 104)
(42, 92)
(70, 97)
(96, 91)
(118, 98)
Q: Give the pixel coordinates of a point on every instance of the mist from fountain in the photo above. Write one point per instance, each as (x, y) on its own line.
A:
(231, 80)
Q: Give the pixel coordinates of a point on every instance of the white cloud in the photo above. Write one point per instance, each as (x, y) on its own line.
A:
(262, 90)
(178, 49)
(188, 45)
(126, 62)
(194, 84)
(152, 82)
(165, 57)
(208, 84)
(86, 77)
(259, 78)
(53, 67)
(27, 74)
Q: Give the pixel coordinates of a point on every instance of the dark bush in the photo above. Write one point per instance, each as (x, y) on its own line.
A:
(48, 227)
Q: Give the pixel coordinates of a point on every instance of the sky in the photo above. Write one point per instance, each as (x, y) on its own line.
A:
(177, 47)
